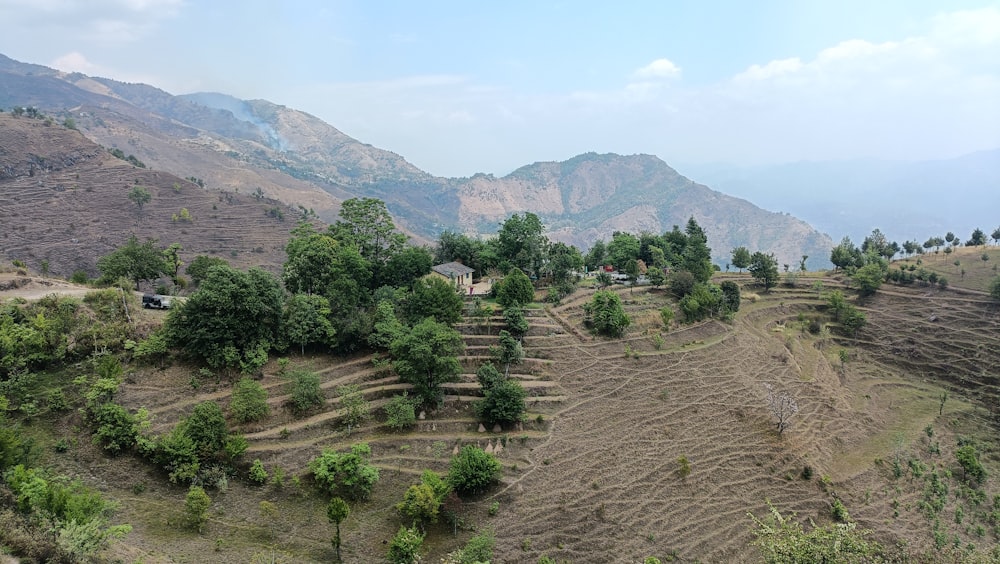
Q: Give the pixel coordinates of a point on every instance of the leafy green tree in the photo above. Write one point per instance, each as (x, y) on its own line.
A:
(426, 357)
(868, 278)
(764, 269)
(478, 549)
(515, 289)
(781, 539)
(563, 261)
(681, 283)
(606, 315)
(473, 470)
(995, 236)
(134, 261)
(488, 376)
(366, 224)
(978, 238)
(400, 412)
(349, 472)
(306, 393)
(116, 428)
(336, 512)
(249, 401)
(968, 458)
(354, 405)
(257, 474)
(404, 548)
(231, 321)
(434, 297)
(508, 351)
(206, 426)
(741, 258)
(198, 269)
(597, 255)
(845, 255)
(140, 196)
(656, 277)
(517, 323)
(172, 259)
(420, 504)
(623, 248)
(306, 321)
(502, 403)
(196, 506)
(521, 244)
(730, 296)
(386, 327)
(320, 264)
(407, 266)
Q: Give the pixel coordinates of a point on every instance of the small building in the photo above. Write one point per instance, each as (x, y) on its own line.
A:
(454, 272)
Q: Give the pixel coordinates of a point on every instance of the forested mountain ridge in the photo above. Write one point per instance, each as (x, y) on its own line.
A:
(260, 147)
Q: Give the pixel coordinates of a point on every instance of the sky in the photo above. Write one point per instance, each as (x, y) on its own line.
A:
(460, 87)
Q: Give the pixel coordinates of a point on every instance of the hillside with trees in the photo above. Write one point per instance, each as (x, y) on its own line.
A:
(349, 406)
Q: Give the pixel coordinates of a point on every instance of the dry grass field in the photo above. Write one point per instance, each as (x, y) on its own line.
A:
(593, 474)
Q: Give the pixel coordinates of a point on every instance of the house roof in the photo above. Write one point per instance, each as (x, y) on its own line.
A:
(452, 269)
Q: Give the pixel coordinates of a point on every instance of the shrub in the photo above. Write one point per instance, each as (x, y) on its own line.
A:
(348, 472)
(400, 412)
(249, 401)
(79, 277)
(604, 313)
(196, 508)
(995, 288)
(420, 504)
(258, 474)
(479, 548)
(502, 403)
(667, 315)
(515, 289)
(681, 283)
(306, 393)
(968, 458)
(405, 546)
(839, 512)
(116, 428)
(473, 470)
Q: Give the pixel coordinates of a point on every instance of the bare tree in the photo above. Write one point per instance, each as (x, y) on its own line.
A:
(782, 406)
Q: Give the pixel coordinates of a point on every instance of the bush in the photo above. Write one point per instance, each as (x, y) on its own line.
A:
(405, 546)
(306, 393)
(839, 512)
(420, 504)
(479, 548)
(400, 412)
(196, 508)
(258, 474)
(503, 403)
(116, 428)
(249, 401)
(604, 313)
(350, 472)
(79, 277)
(473, 470)
(515, 289)
(667, 315)
(995, 288)
(681, 283)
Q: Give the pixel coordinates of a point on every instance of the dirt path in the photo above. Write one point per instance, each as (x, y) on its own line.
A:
(13, 285)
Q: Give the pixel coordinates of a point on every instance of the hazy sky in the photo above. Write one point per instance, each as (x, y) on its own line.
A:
(459, 87)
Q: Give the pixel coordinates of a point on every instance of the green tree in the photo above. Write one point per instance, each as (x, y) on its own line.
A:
(781, 539)
(231, 321)
(196, 506)
(623, 248)
(386, 327)
(404, 548)
(473, 470)
(764, 269)
(306, 393)
(521, 244)
(517, 323)
(563, 261)
(656, 277)
(407, 266)
(730, 296)
(249, 401)
(257, 474)
(134, 261)
(336, 512)
(515, 289)
(116, 428)
(351, 473)
(306, 321)
(420, 504)
(172, 260)
(605, 314)
(977, 239)
(868, 278)
(434, 297)
(845, 255)
(426, 357)
(400, 412)
(366, 224)
(355, 407)
(968, 458)
(502, 403)
(206, 426)
(319, 264)
(198, 269)
(597, 255)
(140, 196)
(995, 236)
(508, 351)
(995, 288)
(697, 256)
(741, 258)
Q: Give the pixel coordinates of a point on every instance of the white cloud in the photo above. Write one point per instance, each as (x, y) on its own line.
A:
(770, 70)
(660, 68)
(76, 62)
(102, 20)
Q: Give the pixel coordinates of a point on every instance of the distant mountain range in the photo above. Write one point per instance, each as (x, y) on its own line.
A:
(905, 200)
(255, 146)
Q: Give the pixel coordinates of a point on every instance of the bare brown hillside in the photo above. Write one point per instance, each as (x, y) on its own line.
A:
(64, 203)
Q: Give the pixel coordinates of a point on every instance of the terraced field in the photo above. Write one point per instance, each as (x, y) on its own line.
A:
(593, 474)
